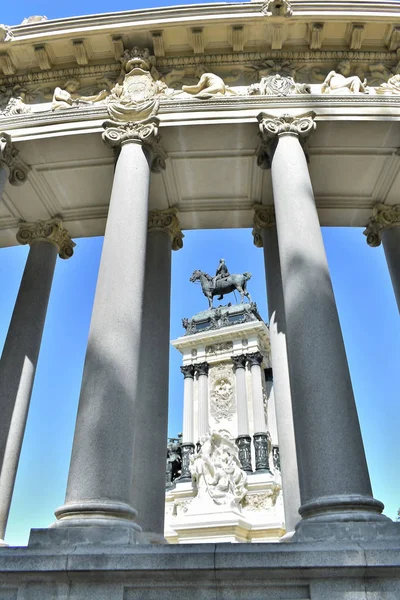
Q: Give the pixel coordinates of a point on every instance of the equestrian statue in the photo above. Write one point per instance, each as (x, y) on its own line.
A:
(222, 283)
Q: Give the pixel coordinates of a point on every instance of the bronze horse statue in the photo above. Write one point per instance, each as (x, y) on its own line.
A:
(226, 285)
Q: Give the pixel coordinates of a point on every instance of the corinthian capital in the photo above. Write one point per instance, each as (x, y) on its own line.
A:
(167, 220)
(264, 216)
(383, 217)
(51, 231)
(272, 127)
(9, 156)
(144, 133)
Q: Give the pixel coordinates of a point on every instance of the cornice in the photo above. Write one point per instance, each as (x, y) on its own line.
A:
(179, 14)
(187, 111)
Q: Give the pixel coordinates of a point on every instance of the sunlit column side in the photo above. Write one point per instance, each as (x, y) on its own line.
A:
(151, 413)
(265, 236)
(21, 349)
(201, 369)
(99, 489)
(333, 473)
(12, 167)
(260, 438)
(243, 439)
(188, 421)
(384, 226)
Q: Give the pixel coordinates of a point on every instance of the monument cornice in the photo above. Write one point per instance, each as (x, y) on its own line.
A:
(228, 108)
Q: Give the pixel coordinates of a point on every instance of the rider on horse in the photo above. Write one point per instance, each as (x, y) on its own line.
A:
(221, 272)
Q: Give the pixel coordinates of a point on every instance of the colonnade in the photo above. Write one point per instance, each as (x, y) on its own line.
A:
(261, 445)
(124, 384)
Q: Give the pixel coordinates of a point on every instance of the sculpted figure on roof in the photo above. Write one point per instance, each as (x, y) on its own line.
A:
(209, 85)
(340, 81)
(391, 87)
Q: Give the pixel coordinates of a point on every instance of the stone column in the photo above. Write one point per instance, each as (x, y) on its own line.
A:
(151, 412)
(11, 166)
(260, 437)
(265, 236)
(333, 474)
(22, 346)
(99, 489)
(188, 417)
(384, 226)
(243, 441)
(202, 373)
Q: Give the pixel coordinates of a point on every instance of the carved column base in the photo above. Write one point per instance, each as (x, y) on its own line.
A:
(187, 449)
(243, 443)
(261, 452)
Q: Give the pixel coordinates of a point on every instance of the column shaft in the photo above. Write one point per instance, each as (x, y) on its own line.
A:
(258, 399)
(151, 412)
(101, 470)
(283, 399)
(188, 413)
(18, 364)
(391, 246)
(203, 425)
(241, 398)
(333, 474)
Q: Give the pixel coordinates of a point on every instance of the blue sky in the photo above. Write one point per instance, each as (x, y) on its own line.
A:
(367, 310)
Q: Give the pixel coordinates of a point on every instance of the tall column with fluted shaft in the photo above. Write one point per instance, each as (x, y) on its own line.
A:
(243, 440)
(151, 411)
(265, 236)
(333, 474)
(99, 489)
(384, 226)
(260, 438)
(21, 349)
(201, 370)
(11, 166)
(188, 421)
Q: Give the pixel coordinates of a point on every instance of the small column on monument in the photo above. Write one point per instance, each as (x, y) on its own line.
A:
(243, 440)
(12, 167)
(260, 438)
(188, 422)
(265, 237)
(333, 474)
(384, 226)
(21, 349)
(201, 369)
(99, 489)
(150, 440)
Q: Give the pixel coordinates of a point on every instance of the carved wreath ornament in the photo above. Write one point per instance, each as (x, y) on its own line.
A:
(222, 395)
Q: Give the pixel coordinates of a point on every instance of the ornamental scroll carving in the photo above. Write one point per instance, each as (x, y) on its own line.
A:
(270, 127)
(167, 220)
(278, 85)
(218, 348)
(145, 132)
(383, 217)
(222, 397)
(51, 231)
(9, 155)
(264, 217)
(261, 501)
